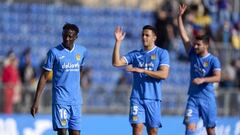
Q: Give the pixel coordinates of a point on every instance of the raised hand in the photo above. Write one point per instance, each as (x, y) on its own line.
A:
(182, 9)
(119, 34)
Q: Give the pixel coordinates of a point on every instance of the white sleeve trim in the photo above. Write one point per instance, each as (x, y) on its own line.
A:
(218, 69)
(48, 69)
(165, 65)
(125, 60)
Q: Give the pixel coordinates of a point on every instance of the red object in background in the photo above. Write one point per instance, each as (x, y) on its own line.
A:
(10, 78)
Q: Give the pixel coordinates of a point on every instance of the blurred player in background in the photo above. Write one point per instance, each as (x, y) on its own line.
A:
(205, 70)
(11, 82)
(66, 61)
(150, 66)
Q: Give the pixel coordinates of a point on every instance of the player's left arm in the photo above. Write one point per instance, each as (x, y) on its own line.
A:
(81, 73)
(162, 73)
(216, 77)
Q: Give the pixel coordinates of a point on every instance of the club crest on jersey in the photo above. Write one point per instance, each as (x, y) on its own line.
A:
(205, 64)
(63, 122)
(78, 57)
(153, 57)
(134, 118)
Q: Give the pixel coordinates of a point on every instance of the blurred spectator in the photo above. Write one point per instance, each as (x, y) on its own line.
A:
(11, 83)
(229, 75)
(164, 25)
(223, 34)
(235, 10)
(235, 39)
(28, 75)
(123, 89)
(86, 83)
(180, 51)
(238, 73)
(86, 80)
(202, 17)
(200, 20)
(223, 10)
(1, 86)
(100, 97)
(211, 6)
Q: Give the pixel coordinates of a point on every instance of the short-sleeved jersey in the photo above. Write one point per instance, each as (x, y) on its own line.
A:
(65, 65)
(202, 67)
(144, 86)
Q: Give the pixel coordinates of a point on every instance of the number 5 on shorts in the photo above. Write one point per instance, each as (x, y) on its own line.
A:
(134, 110)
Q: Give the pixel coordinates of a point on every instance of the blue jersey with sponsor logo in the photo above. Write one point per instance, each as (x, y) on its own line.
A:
(144, 86)
(202, 67)
(65, 65)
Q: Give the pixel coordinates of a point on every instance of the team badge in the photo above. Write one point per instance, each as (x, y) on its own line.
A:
(63, 122)
(205, 64)
(134, 118)
(78, 57)
(153, 57)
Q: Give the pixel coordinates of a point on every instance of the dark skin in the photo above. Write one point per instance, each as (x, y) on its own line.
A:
(68, 37)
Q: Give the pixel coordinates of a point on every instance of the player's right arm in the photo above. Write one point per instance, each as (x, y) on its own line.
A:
(182, 30)
(41, 84)
(117, 60)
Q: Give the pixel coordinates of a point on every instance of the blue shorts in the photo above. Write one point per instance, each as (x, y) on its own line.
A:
(145, 111)
(204, 108)
(66, 116)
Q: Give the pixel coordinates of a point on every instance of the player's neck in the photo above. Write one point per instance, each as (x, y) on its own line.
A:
(67, 47)
(205, 53)
(148, 48)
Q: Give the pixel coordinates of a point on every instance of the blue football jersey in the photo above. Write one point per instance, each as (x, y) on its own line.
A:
(144, 86)
(65, 65)
(202, 67)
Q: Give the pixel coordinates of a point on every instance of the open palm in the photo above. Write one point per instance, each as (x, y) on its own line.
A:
(119, 34)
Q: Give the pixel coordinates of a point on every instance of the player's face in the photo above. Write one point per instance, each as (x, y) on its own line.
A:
(148, 38)
(199, 47)
(69, 36)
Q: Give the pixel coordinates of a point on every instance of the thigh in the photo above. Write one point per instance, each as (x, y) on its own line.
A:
(137, 129)
(75, 118)
(62, 131)
(208, 112)
(153, 114)
(137, 112)
(191, 115)
(152, 131)
(74, 132)
(60, 116)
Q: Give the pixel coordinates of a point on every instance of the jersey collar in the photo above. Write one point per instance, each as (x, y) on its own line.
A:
(67, 49)
(149, 50)
(205, 56)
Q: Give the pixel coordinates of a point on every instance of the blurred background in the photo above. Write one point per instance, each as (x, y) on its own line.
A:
(28, 29)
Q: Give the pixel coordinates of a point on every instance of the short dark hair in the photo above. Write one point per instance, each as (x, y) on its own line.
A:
(149, 27)
(204, 38)
(69, 26)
